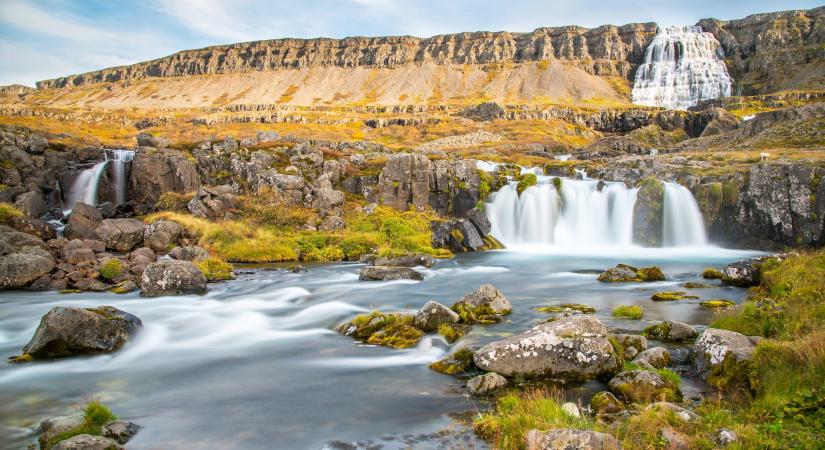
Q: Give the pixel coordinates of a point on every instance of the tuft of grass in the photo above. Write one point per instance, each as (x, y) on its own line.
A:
(628, 312)
(95, 415)
(110, 269)
(174, 201)
(215, 269)
(8, 213)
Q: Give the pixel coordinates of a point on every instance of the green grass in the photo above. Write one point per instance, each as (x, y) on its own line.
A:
(215, 269)
(525, 181)
(8, 213)
(111, 269)
(95, 415)
(628, 312)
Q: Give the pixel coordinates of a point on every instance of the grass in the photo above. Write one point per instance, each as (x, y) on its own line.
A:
(95, 415)
(110, 269)
(8, 213)
(628, 312)
(215, 269)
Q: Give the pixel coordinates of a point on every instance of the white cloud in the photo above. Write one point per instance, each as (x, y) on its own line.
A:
(210, 17)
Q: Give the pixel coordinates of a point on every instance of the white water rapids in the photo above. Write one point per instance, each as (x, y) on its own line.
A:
(682, 66)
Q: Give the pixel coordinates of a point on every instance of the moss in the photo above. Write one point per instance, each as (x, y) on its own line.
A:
(668, 296)
(95, 415)
(730, 374)
(215, 269)
(174, 202)
(121, 288)
(8, 213)
(567, 307)
(482, 314)
(659, 331)
(652, 273)
(452, 331)
(628, 312)
(491, 243)
(712, 274)
(557, 183)
(458, 362)
(717, 303)
(730, 193)
(70, 291)
(696, 285)
(525, 181)
(396, 335)
(21, 359)
(110, 269)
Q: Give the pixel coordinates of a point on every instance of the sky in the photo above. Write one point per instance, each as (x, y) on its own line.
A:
(42, 39)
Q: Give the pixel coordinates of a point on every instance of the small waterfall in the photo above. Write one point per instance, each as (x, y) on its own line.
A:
(120, 160)
(682, 222)
(682, 66)
(85, 187)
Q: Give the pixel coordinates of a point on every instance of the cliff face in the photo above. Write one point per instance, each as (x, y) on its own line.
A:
(607, 50)
(774, 51)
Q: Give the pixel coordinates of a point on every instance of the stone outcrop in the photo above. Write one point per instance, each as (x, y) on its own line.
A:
(213, 202)
(83, 222)
(486, 384)
(156, 171)
(121, 235)
(573, 347)
(432, 315)
(648, 213)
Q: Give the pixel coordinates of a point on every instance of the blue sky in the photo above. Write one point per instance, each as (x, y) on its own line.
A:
(42, 39)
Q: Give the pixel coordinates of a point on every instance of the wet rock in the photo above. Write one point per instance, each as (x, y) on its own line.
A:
(573, 347)
(669, 296)
(414, 260)
(432, 315)
(605, 405)
(721, 355)
(479, 219)
(396, 335)
(189, 253)
(382, 273)
(643, 386)
(172, 277)
(83, 222)
(670, 331)
(87, 442)
(570, 439)
(469, 235)
(124, 287)
(484, 305)
(657, 357)
(66, 331)
(51, 427)
(745, 273)
(121, 235)
(486, 384)
(161, 235)
(712, 274)
(120, 430)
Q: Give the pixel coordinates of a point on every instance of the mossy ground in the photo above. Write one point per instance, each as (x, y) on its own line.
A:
(95, 415)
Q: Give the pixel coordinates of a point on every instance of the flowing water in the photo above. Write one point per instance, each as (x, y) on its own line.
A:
(121, 163)
(682, 66)
(86, 186)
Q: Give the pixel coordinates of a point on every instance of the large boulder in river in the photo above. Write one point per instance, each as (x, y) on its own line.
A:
(417, 259)
(65, 331)
(718, 351)
(384, 273)
(484, 305)
(569, 438)
(648, 212)
(83, 222)
(121, 235)
(432, 315)
(573, 347)
(172, 277)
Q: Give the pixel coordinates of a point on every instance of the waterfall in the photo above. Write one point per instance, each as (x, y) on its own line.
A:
(682, 224)
(581, 215)
(682, 66)
(120, 164)
(85, 187)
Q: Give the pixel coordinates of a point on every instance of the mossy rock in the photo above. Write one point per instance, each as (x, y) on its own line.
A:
(491, 243)
(648, 212)
(644, 386)
(567, 307)
(458, 362)
(652, 273)
(712, 274)
(396, 335)
(482, 314)
(696, 285)
(452, 332)
(669, 296)
(605, 404)
(364, 325)
(717, 303)
(731, 373)
(525, 181)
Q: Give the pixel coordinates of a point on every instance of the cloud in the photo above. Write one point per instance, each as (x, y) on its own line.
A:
(210, 17)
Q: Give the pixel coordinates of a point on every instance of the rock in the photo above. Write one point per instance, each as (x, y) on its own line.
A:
(745, 273)
(121, 235)
(66, 331)
(483, 304)
(683, 414)
(120, 430)
(189, 253)
(720, 354)
(147, 140)
(124, 287)
(648, 213)
(433, 314)
(172, 277)
(573, 347)
(35, 227)
(87, 442)
(161, 235)
(213, 202)
(18, 269)
(643, 386)
(484, 112)
(725, 437)
(632, 344)
(50, 428)
(332, 223)
(83, 222)
(480, 221)
(625, 273)
(108, 210)
(405, 181)
(382, 273)
(570, 439)
(657, 357)
(456, 363)
(571, 409)
(144, 252)
(80, 255)
(396, 335)
(31, 204)
(712, 274)
(486, 384)
(669, 296)
(327, 200)
(674, 440)
(414, 260)
(155, 172)
(605, 405)
(468, 235)
(670, 331)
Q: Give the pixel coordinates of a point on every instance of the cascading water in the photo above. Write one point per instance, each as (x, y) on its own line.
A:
(85, 187)
(682, 222)
(682, 66)
(120, 160)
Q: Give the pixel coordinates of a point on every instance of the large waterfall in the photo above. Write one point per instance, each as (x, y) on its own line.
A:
(86, 185)
(586, 213)
(682, 66)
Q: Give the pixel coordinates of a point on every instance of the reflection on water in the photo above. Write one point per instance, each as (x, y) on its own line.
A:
(254, 363)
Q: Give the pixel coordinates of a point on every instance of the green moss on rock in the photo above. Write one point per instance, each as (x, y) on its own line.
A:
(396, 335)
(452, 331)
(567, 307)
(717, 303)
(668, 296)
(458, 362)
(525, 181)
(712, 274)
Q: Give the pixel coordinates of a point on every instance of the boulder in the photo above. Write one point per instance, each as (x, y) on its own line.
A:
(648, 213)
(51, 427)
(83, 222)
(670, 331)
(572, 347)
(486, 384)
(326, 201)
(657, 357)
(120, 430)
(716, 352)
(605, 405)
(683, 414)
(479, 218)
(66, 331)
(155, 172)
(161, 235)
(469, 236)
(418, 259)
(19, 269)
(31, 204)
(383, 273)
(486, 298)
(213, 202)
(189, 253)
(88, 442)
(568, 438)
(643, 386)
(745, 273)
(632, 344)
(673, 439)
(620, 273)
(172, 277)
(432, 315)
(147, 140)
(405, 181)
(121, 235)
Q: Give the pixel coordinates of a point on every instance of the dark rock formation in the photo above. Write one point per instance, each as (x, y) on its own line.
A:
(155, 172)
